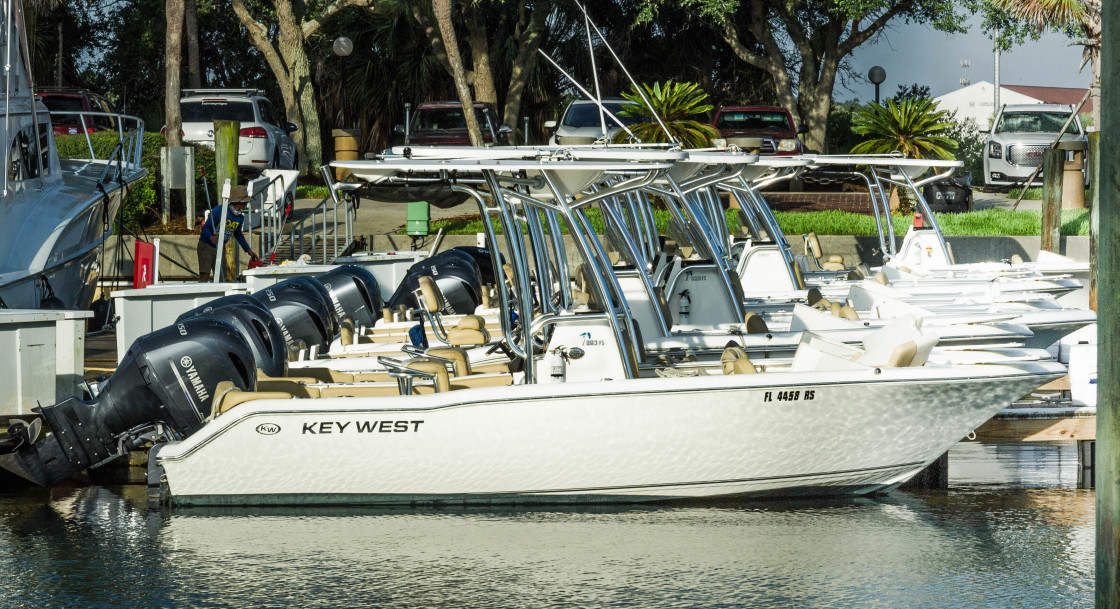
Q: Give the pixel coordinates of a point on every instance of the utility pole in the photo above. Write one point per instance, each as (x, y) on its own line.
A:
(995, 108)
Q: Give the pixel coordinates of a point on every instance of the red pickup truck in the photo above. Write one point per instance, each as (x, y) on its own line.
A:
(771, 123)
(443, 124)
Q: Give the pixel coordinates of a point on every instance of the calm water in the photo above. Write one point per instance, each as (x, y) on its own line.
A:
(1013, 531)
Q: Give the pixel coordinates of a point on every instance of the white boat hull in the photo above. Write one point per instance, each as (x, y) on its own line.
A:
(822, 433)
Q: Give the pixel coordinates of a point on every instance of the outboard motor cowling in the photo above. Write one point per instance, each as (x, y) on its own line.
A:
(354, 294)
(455, 272)
(257, 326)
(485, 261)
(303, 310)
(224, 301)
(168, 377)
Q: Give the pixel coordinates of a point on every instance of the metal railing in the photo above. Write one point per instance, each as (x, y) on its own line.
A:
(129, 144)
(331, 229)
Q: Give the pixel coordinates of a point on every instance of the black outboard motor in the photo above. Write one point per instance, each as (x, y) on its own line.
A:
(167, 378)
(224, 301)
(484, 260)
(456, 274)
(303, 310)
(257, 326)
(354, 294)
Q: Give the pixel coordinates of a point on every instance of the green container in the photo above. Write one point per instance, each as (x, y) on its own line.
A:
(416, 219)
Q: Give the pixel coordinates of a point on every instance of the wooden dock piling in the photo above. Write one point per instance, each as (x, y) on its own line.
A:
(1052, 161)
(1108, 334)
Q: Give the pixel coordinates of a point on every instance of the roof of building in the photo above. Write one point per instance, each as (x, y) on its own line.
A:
(1054, 95)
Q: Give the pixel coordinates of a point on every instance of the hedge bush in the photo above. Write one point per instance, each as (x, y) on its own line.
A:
(141, 207)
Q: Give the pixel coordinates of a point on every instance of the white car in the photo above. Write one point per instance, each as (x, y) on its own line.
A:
(581, 123)
(265, 141)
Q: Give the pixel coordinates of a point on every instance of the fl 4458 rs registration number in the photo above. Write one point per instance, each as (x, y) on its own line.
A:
(791, 395)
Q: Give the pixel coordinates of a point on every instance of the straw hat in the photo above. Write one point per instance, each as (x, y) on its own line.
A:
(239, 194)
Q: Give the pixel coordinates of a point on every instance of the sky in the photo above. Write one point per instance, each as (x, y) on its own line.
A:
(919, 54)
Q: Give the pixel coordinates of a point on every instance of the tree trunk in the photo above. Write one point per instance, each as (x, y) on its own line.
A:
(442, 11)
(819, 53)
(529, 34)
(190, 23)
(287, 58)
(290, 43)
(174, 50)
(58, 76)
(478, 39)
(430, 32)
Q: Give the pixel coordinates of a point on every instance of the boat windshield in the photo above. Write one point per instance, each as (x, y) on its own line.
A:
(208, 110)
(1032, 122)
(587, 115)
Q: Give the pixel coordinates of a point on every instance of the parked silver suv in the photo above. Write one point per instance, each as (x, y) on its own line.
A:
(581, 123)
(265, 141)
(1014, 147)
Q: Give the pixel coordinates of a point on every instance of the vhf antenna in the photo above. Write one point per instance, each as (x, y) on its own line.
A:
(587, 19)
(595, 73)
(584, 91)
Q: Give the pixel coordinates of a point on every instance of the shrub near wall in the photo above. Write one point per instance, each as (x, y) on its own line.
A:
(141, 208)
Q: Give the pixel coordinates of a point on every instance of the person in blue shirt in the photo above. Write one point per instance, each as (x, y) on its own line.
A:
(208, 237)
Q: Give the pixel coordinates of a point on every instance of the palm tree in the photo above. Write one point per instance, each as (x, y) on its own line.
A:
(1060, 14)
(678, 105)
(912, 126)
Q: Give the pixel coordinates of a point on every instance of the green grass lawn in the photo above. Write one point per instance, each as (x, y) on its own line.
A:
(988, 222)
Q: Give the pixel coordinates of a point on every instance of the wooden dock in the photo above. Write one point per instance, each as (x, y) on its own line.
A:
(1051, 418)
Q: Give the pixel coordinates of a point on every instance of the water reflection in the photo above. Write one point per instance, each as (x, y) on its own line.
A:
(1025, 543)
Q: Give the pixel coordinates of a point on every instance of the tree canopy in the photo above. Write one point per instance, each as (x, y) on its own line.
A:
(791, 53)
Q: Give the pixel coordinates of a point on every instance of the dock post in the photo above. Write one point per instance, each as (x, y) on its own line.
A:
(226, 144)
(1108, 334)
(1094, 212)
(1051, 199)
(1086, 463)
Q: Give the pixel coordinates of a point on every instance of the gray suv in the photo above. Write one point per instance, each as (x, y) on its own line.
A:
(265, 140)
(1020, 134)
(581, 123)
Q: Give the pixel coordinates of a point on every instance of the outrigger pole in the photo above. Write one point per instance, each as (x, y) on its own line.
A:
(637, 88)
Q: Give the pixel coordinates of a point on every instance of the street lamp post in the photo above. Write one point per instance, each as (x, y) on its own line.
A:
(877, 75)
(345, 139)
(343, 46)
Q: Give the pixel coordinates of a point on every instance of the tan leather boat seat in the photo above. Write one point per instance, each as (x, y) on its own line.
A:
(461, 337)
(499, 368)
(228, 395)
(325, 375)
(296, 387)
(903, 355)
(735, 361)
(360, 389)
(755, 324)
(481, 380)
(430, 297)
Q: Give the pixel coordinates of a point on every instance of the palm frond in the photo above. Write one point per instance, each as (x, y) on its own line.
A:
(678, 105)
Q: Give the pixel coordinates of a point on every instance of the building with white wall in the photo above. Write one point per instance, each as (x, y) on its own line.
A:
(977, 102)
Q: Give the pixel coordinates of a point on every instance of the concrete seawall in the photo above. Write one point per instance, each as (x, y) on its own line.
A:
(178, 260)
